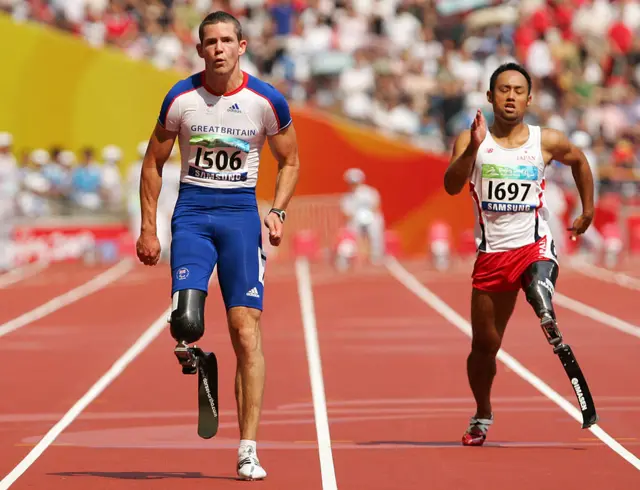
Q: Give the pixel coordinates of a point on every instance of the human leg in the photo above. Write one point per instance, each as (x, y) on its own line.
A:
(241, 269)
(246, 338)
(375, 233)
(490, 313)
(493, 299)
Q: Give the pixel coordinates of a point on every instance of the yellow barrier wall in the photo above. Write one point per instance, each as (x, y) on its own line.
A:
(58, 90)
(61, 91)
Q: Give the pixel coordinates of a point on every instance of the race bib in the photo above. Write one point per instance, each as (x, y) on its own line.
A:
(219, 158)
(509, 189)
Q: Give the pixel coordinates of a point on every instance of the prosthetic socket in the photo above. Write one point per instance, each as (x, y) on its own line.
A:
(539, 282)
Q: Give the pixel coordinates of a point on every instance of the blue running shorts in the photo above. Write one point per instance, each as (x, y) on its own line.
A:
(218, 226)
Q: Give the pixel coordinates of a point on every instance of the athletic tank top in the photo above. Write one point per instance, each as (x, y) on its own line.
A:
(507, 187)
(221, 136)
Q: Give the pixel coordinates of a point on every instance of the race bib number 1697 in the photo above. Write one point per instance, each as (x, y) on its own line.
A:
(509, 189)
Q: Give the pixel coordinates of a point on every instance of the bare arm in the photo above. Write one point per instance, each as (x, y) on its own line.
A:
(462, 159)
(158, 153)
(557, 145)
(284, 147)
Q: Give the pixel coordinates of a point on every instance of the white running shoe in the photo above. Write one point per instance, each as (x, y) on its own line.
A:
(249, 466)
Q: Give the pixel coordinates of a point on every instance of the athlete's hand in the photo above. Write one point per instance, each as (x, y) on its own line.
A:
(273, 223)
(478, 129)
(148, 248)
(580, 225)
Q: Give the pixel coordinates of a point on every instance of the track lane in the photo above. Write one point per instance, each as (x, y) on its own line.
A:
(397, 393)
(53, 361)
(143, 427)
(613, 299)
(56, 279)
(604, 354)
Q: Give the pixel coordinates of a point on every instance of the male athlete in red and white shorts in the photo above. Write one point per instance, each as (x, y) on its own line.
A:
(505, 168)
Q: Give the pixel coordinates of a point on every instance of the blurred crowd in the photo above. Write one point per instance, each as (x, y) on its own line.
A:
(44, 183)
(417, 69)
(57, 182)
(413, 69)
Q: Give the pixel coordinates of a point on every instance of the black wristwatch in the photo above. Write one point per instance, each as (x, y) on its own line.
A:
(280, 212)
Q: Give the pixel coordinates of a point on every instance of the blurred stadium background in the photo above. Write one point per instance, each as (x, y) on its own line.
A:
(379, 85)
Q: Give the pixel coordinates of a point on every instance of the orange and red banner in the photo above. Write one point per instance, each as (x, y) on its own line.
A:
(410, 181)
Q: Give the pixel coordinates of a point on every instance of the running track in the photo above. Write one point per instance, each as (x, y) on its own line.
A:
(395, 388)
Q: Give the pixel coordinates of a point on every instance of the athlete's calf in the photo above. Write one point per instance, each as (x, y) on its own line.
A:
(244, 327)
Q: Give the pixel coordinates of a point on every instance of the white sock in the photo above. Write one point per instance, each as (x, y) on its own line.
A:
(245, 444)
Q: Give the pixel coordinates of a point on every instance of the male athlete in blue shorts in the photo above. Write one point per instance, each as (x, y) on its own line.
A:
(221, 118)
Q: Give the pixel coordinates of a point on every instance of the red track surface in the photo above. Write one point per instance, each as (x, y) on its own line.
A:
(395, 383)
(53, 281)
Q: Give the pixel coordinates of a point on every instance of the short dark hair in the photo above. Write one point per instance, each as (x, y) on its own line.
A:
(215, 18)
(509, 67)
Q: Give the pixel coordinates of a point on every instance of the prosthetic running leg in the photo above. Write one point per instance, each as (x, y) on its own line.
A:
(538, 283)
(187, 325)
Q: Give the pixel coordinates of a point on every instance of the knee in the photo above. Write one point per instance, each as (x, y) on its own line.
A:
(187, 320)
(486, 345)
(244, 325)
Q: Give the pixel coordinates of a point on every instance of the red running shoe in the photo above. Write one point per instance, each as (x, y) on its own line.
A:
(477, 431)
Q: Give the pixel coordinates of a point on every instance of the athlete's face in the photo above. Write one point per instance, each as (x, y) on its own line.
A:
(510, 97)
(220, 47)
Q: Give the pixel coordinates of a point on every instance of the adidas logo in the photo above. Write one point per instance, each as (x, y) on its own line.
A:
(235, 108)
(253, 292)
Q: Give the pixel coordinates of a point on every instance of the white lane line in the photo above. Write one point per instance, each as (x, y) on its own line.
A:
(410, 282)
(100, 281)
(116, 369)
(20, 273)
(595, 314)
(307, 309)
(606, 275)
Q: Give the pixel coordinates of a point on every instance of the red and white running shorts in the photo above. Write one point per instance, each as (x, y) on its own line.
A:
(501, 271)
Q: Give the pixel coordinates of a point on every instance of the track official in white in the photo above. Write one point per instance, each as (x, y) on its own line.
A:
(9, 185)
(361, 207)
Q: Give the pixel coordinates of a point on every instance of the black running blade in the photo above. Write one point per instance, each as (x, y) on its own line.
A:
(579, 384)
(207, 395)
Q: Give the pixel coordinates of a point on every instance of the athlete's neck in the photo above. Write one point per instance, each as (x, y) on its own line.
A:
(501, 129)
(223, 84)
